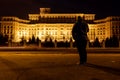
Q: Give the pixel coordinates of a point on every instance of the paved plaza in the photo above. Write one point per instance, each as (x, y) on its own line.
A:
(58, 66)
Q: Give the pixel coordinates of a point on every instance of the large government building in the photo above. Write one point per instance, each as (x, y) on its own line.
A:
(57, 26)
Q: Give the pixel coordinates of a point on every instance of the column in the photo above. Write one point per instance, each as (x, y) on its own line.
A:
(24, 43)
(39, 44)
(9, 43)
(87, 44)
(55, 43)
(71, 43)
(103, 44)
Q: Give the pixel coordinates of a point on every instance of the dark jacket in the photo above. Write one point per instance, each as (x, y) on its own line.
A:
(79, 31)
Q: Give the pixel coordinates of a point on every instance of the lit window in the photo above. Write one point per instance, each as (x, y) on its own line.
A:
(61, 28)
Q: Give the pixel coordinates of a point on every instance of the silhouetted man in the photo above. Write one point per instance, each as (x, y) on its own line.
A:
(79, 33)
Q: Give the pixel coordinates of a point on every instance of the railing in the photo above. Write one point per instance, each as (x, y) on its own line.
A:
(58, 45)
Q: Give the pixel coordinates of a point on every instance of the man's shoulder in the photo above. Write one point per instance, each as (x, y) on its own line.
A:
(84, 22)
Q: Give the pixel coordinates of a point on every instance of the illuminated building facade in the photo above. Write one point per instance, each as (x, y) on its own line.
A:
(57, 26)
(108, 27)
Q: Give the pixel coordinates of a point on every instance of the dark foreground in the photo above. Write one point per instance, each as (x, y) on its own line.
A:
(20, 66)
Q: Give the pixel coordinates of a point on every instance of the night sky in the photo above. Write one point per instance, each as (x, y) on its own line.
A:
(21, 8)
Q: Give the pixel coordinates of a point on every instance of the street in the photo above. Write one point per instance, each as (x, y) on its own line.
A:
(43, 66)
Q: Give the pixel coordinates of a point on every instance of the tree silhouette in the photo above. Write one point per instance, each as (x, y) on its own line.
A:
(107, 42)
(115, 41)
(22, 40)
(96, 43)
(37, 41)
(3, 39)
(33, 39)
(29, 40)
(48, 42)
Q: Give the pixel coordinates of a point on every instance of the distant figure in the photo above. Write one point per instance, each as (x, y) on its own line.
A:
(79, 33)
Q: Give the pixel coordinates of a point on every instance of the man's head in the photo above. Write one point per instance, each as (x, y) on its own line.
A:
(79, 18)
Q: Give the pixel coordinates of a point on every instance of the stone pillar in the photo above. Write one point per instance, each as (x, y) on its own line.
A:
(87, 44)
(9, 43)
(71, 44)
(55, 43)
(39, 44)
(24, 43)
(103, 44)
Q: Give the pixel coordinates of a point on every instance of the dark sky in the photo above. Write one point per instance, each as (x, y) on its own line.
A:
(21, 8)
